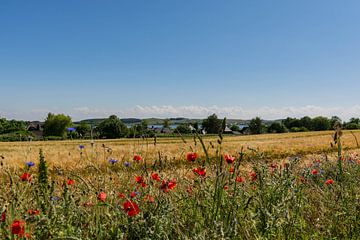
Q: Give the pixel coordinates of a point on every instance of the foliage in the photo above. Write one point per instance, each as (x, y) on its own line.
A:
(212, 124)
(83, 129)
(256, 126)
(166, 123)
(183, 128)
(56, 125)
(10, 126)
(277, 127)
(320, 124)
(235, 128)
(111, 128)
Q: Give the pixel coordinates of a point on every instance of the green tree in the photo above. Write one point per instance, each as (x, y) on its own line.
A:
(212, 124)
(335, 121)
(83, 128)
(320, 124)
(305, 122)
(112, 127)
(166, 123)
(235, 128)
(256, 126)
(277, 127)
(56, 125)
(183, 128)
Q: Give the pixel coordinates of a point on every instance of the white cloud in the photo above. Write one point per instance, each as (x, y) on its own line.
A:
(193, 111)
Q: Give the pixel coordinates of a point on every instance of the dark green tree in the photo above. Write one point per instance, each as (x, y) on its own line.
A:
(320, 124)
(256, 126)
(235, 128)
(83, 128)
(166, 123)
(112, 127)
(183, 128)
(212, 124)
(277, 127)
(56, 125)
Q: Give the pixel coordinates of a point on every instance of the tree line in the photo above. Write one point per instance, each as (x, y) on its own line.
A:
(60, 126)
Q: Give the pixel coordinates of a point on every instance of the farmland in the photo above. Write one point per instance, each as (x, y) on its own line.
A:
(292, 185)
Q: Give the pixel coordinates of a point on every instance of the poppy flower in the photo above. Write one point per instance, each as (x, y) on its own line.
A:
(131, 208)
(231, 170)
(240, 179)
(314, 172)
(137, 158)
(253, 176)
(191, 157)
(18, 227)
(149, 198)
(26, 177)
(359, 162)
(229, 159)
(189, 190)
(329, 181)
(3, 216)
(102, 196)
(226, 187)
(133, 194)
(139, 179)
(121, 195)
(70, 181)
(200, 171)
(33, 212)
(155, 177)
(166, 185)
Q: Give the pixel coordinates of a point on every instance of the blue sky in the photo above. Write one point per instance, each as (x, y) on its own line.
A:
(179, 58)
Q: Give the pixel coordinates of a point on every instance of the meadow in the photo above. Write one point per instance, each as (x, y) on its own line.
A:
(271, 186)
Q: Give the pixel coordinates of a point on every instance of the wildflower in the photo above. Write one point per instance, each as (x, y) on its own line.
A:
(102, 196)
(3, 216)
(70, 181)
(191, 157)
(140, 180)
(229, 159)
(166, 186)
(33, 212)
(81, 146)
(200, 171)
(131, 208)
(26, 177)
(240, 179)
(155, 177)
(121, 195)
(133, 194)
(149, 198)
(329, 181)
(359, 162)
(189, 190)
(30, 164)
(231, 170)
(55, 198)
(314, 172)
(113, 161)
(18, 227)
(226, 187)
(253, 176)
(71, 129)
(127, 164)
(137, 158)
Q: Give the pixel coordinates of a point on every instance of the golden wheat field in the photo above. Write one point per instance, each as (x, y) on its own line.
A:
(67, 154)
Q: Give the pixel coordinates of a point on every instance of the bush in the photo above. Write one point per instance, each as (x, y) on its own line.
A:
(56, 125)
(112, 128)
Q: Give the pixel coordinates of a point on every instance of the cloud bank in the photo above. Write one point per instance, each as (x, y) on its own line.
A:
(192, 111)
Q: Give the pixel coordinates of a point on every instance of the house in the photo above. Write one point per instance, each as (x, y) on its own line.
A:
(36, 128)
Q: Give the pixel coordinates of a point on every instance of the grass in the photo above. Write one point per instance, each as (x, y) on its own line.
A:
(278, 187)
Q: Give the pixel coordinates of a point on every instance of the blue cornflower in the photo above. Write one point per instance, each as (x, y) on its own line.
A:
(127, 164)
(81, 146)
(55, 198)
(30, 164)
(113, 161)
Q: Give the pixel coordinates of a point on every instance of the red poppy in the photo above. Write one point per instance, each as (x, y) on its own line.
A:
(166, 185)
(253, 176)
(139, 179)
(3, 216)
(33, 212)
(359, 162)
(314, 172)
(26, 177)
(121, 195)
(302, 179)
(70, 181)
(273, 166)
(191, 157)
(200, 171)
(149, 198)
(232, 170)
(131, 208)
(133, 194)
(156, 177)
(189, 190)
(329, 181)
(229, 159)
(240, 179)
(226, 188)
(137, 158)
(102, 196)
(18, 227)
